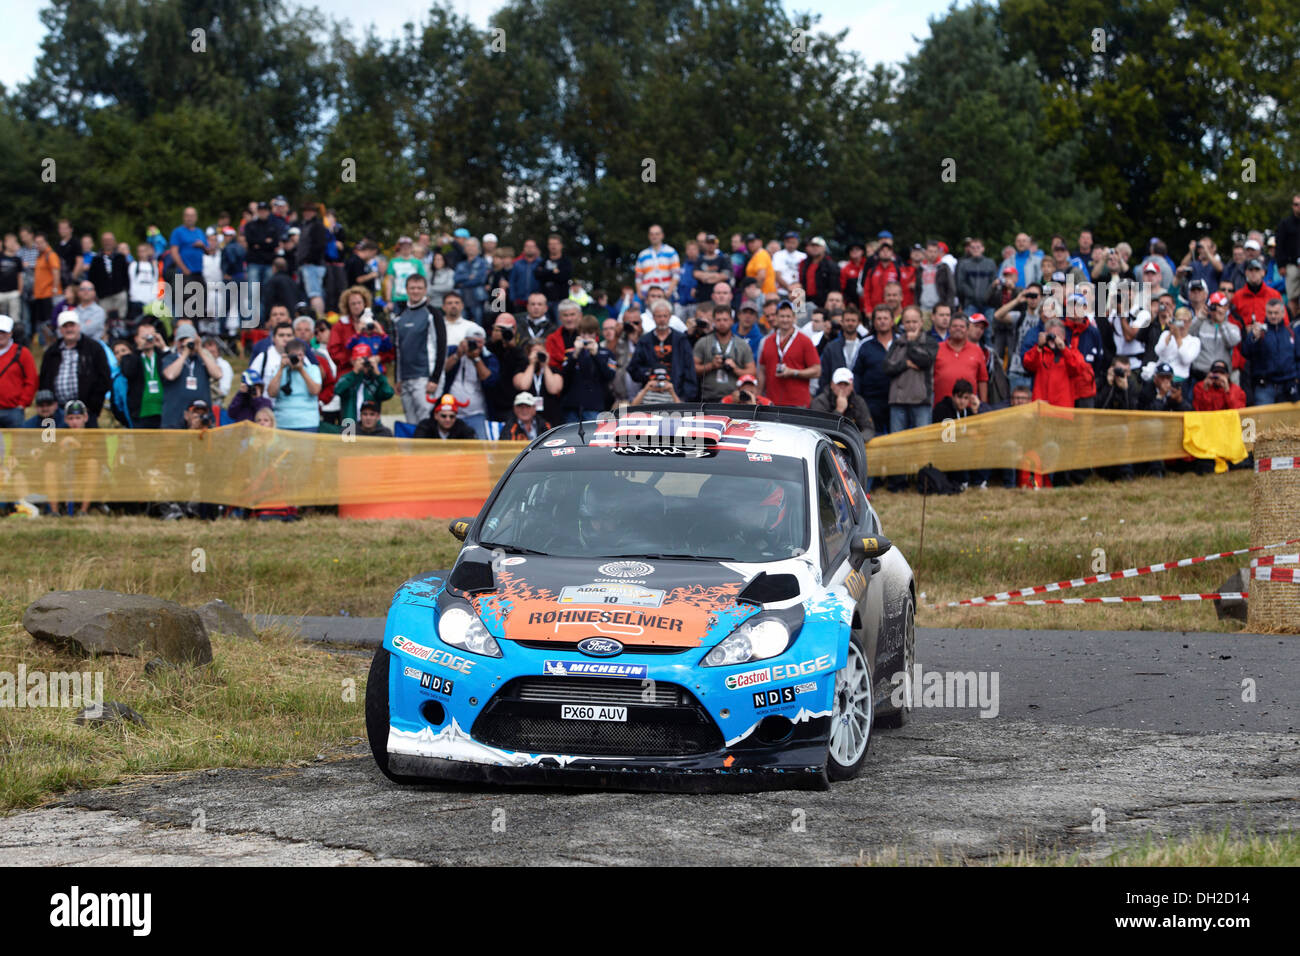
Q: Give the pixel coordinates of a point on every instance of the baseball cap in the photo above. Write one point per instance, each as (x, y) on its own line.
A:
(403, 239)
(361, 350)
(75, 407)
(1058, 276)
(1272, 241)
(67, 315)
(817, 241)
(748, 307)
(751, 380)
(790, 235)
(185, 331)
(660, 372)
(710, 237)
(1010, 271)
(461, 233)
(841, 376)
(1219, 365)
(1251, 244)
(198, 403)
(505, 320)
(44, 397)
(1150, 267)
(978, 317)
(1164, 368)
(263, 204)
(526, 398)
(489, 237)
(210, 231)
(1218, 298)
(295, 231)
(279, 201)
(250, 378)
(370, 406)
(1197, 284)
(1254, 264)
(6, 324)
(884, 234)
(751, 236)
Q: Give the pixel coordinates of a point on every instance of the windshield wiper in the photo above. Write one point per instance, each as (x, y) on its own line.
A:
(673, 557)
(511, 548)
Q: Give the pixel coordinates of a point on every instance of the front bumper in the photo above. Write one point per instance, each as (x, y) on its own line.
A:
(767, 730)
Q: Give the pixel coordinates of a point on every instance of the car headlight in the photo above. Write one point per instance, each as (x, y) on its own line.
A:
(461, 628)
(755, 640)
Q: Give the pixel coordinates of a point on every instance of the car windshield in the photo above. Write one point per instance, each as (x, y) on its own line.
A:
(580, 502)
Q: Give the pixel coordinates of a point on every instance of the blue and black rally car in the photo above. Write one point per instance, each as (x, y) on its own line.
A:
(694, 597)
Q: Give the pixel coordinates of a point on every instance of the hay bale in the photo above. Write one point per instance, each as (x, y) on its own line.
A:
(1275, 516)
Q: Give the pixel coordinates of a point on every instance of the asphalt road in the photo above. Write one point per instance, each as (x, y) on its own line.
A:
(1100, 738)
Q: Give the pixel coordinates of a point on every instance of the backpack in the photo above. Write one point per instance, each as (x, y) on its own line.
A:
(931, 481)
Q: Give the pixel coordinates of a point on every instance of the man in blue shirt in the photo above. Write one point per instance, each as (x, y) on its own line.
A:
(185, 250)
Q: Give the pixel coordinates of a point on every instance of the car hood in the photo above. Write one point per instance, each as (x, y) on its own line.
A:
(647, 603)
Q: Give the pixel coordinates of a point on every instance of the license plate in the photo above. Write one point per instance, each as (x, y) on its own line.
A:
(587, 712)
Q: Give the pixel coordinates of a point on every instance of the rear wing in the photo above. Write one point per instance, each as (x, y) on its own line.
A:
(843, 431)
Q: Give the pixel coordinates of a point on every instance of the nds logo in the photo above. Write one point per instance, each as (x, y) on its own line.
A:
(76, 909)
(770, 698)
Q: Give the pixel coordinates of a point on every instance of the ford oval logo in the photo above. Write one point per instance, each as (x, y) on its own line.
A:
(600, 647)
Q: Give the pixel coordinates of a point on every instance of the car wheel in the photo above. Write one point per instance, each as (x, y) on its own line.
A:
(901, 716)
(377, 714)
(851, 715)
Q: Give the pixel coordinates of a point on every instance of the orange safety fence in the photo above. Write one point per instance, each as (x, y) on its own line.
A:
(249, 466)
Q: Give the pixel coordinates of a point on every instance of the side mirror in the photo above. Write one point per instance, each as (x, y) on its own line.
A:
(869, 547)
(459, 528)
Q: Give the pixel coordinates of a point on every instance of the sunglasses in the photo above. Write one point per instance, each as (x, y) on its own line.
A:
(1031, 295)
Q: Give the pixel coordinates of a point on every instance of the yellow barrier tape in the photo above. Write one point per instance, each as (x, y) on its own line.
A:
(249, 466)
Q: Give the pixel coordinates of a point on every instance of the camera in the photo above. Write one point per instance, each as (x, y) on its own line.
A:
(507, 335)
(206, 420)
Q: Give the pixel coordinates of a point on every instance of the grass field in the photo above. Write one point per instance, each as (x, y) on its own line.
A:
(975, 543)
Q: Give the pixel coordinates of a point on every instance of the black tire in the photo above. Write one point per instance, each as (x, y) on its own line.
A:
(900, 717)
(836, 771)
(377, 715)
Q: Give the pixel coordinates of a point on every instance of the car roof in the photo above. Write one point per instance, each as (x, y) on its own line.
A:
(717, 431)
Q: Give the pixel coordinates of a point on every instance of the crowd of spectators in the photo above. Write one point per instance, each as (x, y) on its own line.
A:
(477, 339)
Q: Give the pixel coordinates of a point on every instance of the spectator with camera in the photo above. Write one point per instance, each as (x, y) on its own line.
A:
(144, 380)
(471, 368)
(1215, 392)
(746, 393)
(187, 372)
(665, 347)
(1122, 388)
(294, 388)
(248, 399)
(588, 370)
(511, 360)
(1055, 365)
(1162, 393)
(721, 357)
(364, 382)
(1218, 335)
(539, 378)
(1271, 349)
(553, 274)
(657, 390)
(1178, 346)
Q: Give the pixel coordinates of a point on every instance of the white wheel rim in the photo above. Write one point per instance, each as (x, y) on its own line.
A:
(851, 716)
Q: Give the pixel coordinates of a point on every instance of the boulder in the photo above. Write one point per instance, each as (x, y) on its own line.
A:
(1234, 608)
(220, 618)
(106, 622)
(110, 713)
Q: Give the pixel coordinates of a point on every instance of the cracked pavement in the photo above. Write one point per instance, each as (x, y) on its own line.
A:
(1145, 730)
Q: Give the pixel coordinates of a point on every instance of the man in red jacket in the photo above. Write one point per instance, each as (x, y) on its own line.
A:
(1215, 393)
(881, 269)
(1250, 301)
(18, 377)
(1055, 366)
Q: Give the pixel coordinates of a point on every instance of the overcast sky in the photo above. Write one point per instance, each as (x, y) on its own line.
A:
(20, 41)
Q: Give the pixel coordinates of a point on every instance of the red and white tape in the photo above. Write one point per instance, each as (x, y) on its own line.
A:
(1005, 596)
(1272, 559)
(1288, 575)
(1126, 599)
(1277, 464)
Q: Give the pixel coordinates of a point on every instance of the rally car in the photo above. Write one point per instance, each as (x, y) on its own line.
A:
(698, 597)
